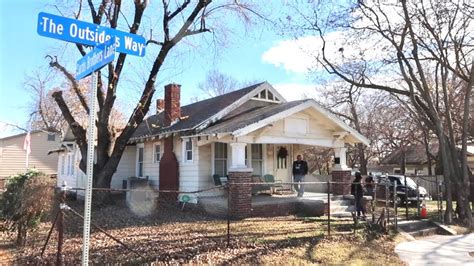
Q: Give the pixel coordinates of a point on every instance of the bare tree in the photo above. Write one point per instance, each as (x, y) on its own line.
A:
(416, 41)
(217, 83)
(179, 20)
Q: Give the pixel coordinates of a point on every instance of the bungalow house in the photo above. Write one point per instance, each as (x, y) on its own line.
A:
(13, 156)
(414, 158)
(251, 131)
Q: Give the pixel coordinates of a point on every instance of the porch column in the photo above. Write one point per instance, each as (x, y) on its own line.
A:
(341, 173)
(240, 190)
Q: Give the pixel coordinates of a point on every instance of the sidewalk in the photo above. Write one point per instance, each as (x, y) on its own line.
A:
(438, 250)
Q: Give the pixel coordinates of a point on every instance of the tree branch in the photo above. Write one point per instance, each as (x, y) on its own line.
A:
(54, 64)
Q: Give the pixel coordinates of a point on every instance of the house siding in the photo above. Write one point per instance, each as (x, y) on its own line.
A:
(126, 168)
(13, 157)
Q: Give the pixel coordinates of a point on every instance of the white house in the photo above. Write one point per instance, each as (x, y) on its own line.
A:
(13, 155)
(253, 130)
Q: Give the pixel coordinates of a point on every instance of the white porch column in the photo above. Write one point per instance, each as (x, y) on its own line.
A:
(237, 163)
(340, 161)
(341, 174)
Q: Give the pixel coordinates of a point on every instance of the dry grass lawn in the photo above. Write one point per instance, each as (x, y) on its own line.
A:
(172, 236)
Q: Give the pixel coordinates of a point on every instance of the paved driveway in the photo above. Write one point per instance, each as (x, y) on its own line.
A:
(438, 250)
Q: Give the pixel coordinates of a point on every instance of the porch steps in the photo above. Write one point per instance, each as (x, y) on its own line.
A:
(421, 228)
(341, 207)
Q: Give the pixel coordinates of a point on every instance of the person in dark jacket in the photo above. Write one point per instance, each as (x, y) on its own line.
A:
(300, 169)
(358, 192)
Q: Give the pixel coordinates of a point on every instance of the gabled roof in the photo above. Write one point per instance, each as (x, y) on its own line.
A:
(243, 120)
(20, 134)
(247, 122)
(414, 154)
(202, 113)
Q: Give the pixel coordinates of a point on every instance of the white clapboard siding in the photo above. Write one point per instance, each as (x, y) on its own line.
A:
(126, 168)
(13, 156)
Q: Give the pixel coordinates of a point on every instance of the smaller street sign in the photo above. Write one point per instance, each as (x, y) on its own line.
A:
(95, 59)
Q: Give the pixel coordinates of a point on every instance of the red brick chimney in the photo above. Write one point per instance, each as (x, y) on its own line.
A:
(172, 105)
(169, 167)
(160, 105)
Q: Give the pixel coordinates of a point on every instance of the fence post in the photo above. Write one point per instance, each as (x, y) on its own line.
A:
(60, 227)
(406, 199)
(228, 213)
(329, 208)
(437, 197)
(374, 202)
(395, 216)
(418, 198)
(440, 187)
(387, 198)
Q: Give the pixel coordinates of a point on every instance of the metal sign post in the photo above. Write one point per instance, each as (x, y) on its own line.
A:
(90, 172)
(106, 42)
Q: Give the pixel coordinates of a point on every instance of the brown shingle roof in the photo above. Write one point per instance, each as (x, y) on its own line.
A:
(414, 154)
(193, 114)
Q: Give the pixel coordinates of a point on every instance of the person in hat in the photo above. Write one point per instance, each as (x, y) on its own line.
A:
(358, 191)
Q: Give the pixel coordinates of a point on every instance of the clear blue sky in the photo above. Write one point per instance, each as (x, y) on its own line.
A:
(22, 51)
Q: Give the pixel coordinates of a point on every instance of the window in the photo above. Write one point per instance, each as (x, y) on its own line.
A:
(69, 164)
(266, 95)
(157, 153)
(140, 150)
(73, 163)
(188, 150)
(220, 159)
(63, 164)
(51, 137)
(270, 96)
(257, 159)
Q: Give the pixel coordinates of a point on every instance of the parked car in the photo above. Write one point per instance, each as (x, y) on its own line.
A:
(404, 194)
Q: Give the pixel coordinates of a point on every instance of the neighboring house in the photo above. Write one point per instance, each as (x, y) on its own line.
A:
(252, 131)
(414, 157)
(13, 156)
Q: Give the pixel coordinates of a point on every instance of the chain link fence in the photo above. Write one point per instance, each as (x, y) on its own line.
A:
(144, 225)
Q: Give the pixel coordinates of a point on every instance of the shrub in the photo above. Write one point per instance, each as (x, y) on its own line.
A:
(26, 201)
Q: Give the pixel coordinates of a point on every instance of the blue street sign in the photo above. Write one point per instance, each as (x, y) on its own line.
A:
(76, 31)
(95, 59)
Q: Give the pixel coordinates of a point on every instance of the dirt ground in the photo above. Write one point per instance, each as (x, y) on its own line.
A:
(173, 236)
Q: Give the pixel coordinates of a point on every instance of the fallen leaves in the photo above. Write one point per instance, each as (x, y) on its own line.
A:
(172, 236)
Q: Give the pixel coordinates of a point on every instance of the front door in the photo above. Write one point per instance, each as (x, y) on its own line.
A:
(282, 162)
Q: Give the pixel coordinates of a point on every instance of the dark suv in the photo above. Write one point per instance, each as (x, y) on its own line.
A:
(402, 192)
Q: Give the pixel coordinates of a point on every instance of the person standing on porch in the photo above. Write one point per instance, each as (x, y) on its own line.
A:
(300, 169)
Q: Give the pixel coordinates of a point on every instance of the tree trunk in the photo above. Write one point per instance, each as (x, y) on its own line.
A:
(21, 235)
(362, 159)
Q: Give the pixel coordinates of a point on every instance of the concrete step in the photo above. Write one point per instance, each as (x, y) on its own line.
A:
(419, 228)
(348, 209)
(341, 203)
(341, 214)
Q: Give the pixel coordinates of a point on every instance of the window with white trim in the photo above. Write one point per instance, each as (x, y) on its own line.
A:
(257, 158)
(188, 150)
(156, 153)
(140, 155)
(73, 163)
(51, 137)
(220, 158)
(63, 163)
(69, 164)
(266, 95)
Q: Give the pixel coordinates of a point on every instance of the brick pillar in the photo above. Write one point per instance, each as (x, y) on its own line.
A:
(341, 176)
(240, 195)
